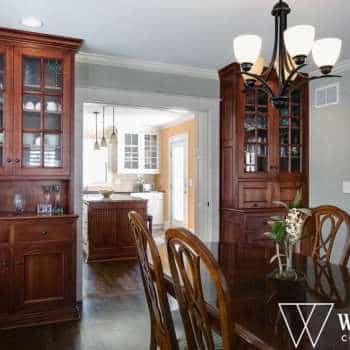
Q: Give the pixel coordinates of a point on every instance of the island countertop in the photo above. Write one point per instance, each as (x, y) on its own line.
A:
(115, 198)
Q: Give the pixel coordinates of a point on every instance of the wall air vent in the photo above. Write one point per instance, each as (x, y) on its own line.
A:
(327, 95)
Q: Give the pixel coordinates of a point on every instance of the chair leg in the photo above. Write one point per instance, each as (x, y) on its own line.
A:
(153, 343)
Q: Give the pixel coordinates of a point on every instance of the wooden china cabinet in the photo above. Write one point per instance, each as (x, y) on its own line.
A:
(37, 252)
(264, 156)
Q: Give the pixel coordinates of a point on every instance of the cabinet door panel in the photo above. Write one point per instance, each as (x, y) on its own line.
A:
(44, 275)
(42, 95)
(6, 143)
(255, 128)
(287, 191)
(255, 195)
(4, 279)
(230, 228)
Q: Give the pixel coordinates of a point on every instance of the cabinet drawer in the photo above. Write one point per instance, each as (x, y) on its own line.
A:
(255, 195)
(55, 231)
(257, 225)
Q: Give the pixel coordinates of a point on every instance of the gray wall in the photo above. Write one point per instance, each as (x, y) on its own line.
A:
(91, 75)
(330, 149)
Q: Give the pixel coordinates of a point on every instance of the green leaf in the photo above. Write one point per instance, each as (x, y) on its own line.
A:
(297, 199)
(278, 231)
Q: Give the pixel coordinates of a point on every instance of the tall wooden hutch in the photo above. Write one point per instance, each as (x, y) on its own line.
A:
(37, 253)
(264, 155)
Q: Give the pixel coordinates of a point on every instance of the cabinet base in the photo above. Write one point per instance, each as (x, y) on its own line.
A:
(101, 259)
(21, 319)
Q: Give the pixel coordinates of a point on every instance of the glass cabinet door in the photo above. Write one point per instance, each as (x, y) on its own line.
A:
(256, 131)
(290, 135)
(6, 161)
(2, 67)
(41, 112)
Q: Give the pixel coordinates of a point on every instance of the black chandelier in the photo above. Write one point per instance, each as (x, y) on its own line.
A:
(289, 56)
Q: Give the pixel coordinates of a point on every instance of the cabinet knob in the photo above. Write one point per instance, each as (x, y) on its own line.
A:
(44, 233)
(5, 263)
(19, 262)
(17, 160)
(9, 160)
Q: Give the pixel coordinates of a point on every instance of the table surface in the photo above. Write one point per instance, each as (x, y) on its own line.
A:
(256, 298)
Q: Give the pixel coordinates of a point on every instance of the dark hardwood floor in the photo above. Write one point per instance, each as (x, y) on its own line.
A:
(114, 315)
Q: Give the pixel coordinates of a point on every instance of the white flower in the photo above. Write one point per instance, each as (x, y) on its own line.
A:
(294, 225)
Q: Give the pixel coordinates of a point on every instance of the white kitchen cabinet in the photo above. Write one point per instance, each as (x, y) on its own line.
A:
(138, 152)
(154, 205)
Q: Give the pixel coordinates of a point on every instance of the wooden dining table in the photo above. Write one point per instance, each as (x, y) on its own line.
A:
(256, 297)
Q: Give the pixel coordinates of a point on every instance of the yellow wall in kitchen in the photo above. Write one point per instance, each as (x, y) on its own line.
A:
(162, 180)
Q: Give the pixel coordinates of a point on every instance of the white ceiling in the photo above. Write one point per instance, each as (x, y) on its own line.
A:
(186, 32)
(130, 117)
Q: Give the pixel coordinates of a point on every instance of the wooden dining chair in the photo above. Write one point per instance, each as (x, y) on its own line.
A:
(186, 253)
(327, 221)
(162, 328)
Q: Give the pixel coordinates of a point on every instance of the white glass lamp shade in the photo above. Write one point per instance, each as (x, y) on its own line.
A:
(247, 48)
(257, 68)
(326, 51)
(299, 40)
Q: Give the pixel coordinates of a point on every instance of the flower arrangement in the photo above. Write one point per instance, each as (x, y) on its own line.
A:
(287, 232)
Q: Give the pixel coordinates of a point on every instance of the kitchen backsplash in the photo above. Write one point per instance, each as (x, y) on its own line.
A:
(123, 182)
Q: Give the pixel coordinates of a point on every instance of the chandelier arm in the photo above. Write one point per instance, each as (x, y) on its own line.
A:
(269, 70)
(290, 77)
(307, 80)
(261, 80)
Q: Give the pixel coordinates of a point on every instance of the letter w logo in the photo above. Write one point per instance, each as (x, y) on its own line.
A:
(305, 320)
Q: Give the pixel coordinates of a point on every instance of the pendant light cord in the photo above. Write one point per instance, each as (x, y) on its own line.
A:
(103, 122)
(96, 113)
(113, 121)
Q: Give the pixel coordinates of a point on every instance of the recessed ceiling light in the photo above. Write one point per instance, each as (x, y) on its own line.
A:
(32, 22)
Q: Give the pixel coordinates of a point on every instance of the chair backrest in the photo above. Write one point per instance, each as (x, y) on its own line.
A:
(162, 328)
(186, 254)
(327, 221)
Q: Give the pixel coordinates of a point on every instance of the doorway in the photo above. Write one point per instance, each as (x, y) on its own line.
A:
(178, 181)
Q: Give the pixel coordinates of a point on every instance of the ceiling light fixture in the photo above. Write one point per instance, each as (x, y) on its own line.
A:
(96, 144)
(113, 135)
(32, 22)
(289, 56)
(103, 143)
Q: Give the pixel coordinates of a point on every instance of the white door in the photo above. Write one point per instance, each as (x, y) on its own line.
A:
(178, 148)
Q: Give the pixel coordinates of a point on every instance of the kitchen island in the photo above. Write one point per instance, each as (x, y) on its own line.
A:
(107, 233)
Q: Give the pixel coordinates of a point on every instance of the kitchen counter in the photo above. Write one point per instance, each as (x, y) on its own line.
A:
(115, 198)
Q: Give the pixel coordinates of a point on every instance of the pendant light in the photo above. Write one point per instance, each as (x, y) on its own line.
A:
(290, 51)
(103, 140)
(114, 135)
(96, 145)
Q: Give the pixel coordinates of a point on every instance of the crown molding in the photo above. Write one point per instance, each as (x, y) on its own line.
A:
(340, 67)
(150, 66)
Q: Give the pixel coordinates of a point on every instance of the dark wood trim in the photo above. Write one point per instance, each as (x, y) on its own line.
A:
(31, 38)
